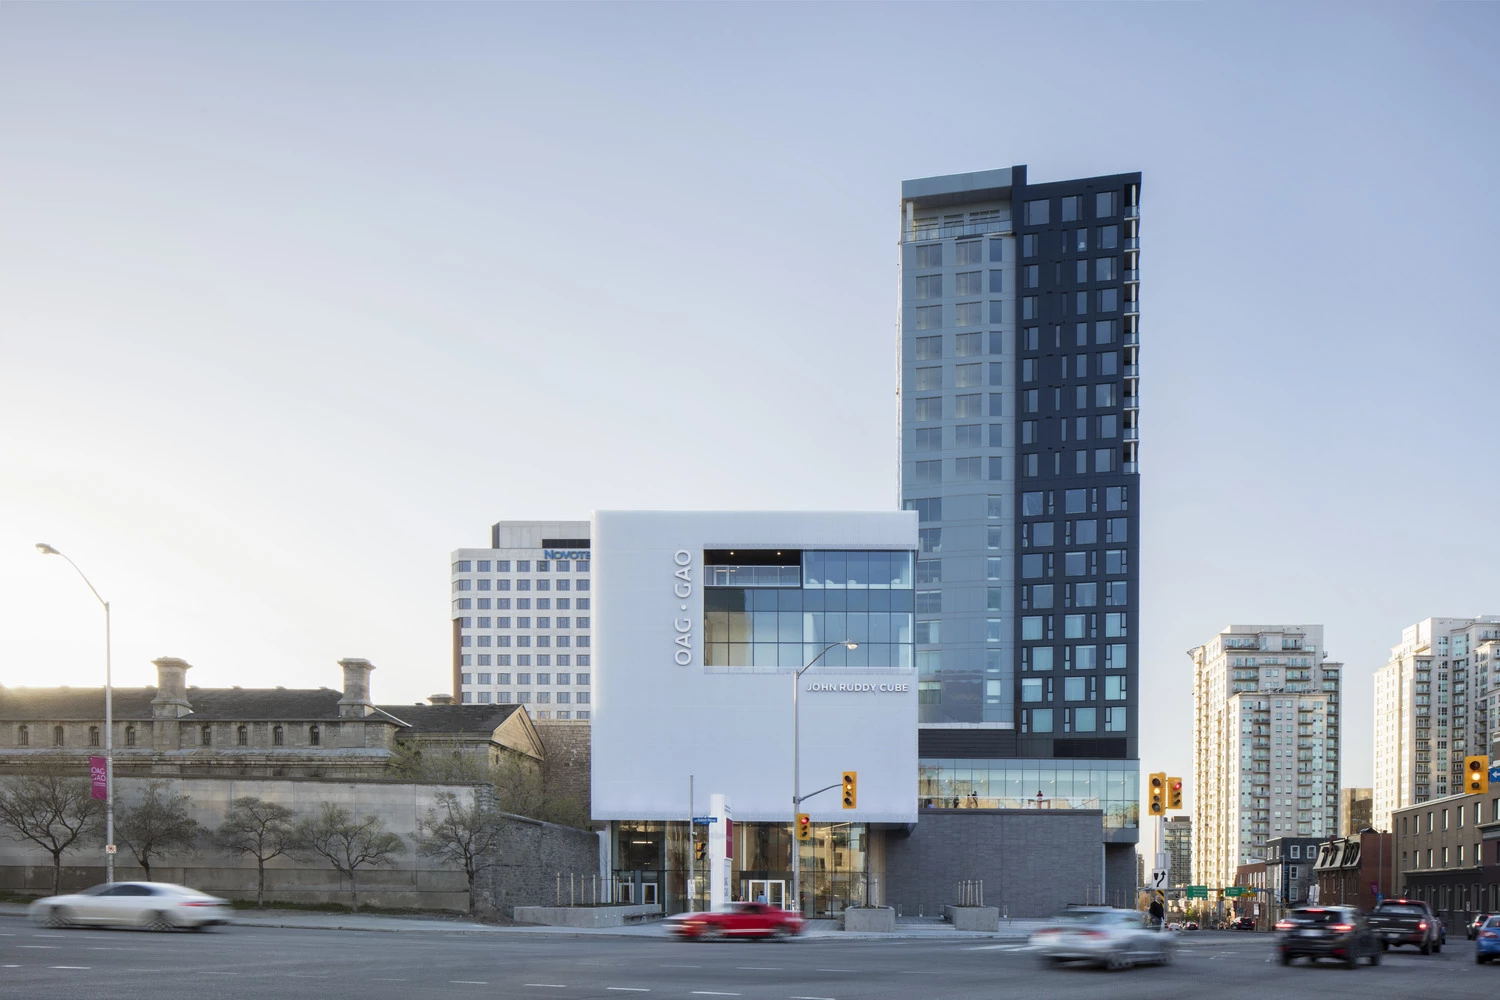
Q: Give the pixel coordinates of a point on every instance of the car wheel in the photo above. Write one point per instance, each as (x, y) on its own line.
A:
(1164, 957)
(1437, 949)
(711, 932)
(1375, 956)
(1480, 959)
(1385, 945)
(1426, 948)
(159, 921)
(781, 934)
(1116, 962)
(61, 916)
(1286, 958)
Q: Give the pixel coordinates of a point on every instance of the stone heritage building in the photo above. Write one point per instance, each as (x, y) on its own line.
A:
(173, 730)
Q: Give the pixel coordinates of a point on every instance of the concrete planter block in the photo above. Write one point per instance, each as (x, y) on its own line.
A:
(587, 916)
(881, 919)
(973, 918)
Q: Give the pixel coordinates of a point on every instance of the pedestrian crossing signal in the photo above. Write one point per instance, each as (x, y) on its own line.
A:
(1476, 775)
(850, 783)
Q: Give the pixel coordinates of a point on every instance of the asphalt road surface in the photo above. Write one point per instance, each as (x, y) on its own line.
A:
(283, 964)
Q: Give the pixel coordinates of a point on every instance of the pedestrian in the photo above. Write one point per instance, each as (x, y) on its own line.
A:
(1157, 911)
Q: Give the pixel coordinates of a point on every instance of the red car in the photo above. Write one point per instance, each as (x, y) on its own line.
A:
(749, 920)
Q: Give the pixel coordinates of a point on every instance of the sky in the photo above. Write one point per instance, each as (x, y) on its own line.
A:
(295, 299)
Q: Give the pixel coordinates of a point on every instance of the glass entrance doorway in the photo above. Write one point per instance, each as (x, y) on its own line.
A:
(772, 891)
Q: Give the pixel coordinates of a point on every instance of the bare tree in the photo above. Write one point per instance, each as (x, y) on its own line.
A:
(467, 836)
(348, 844)
(52, 811)
(260, 829)
(159, 825)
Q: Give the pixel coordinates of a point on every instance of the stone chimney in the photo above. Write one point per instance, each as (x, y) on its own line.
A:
(355, 704)
(440, 699)
(171, 688)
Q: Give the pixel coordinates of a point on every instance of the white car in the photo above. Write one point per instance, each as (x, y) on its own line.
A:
(1115, 939)
(157, 906)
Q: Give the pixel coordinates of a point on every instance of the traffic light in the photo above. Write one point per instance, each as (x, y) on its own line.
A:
(700, 850)
(1476, 775)
(1157, 791)
(804, 826)
(1174, 793)
(850, 780)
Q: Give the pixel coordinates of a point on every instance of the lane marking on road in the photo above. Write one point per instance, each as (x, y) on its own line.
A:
(467, 982)
(759, 968)
(628, 989)
(714, 993)
(215, 972)
(810, 998)
(837, 970)
(9, 966)
(547, 986)
(83, 967)
(681, 966)
(52, 947)
(379, 980)
(307, 975)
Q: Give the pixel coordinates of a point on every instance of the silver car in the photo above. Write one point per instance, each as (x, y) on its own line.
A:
(157, 906)
(1114, 939)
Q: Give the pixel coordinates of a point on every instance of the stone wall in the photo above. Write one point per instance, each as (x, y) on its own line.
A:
(532, 850)
(1033, 862)
(566, 769)
(541, 864)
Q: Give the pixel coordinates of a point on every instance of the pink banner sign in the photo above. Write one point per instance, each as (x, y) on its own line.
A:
(99, 776)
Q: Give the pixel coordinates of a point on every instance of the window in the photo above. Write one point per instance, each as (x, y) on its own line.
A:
(967, 314)
(1106, 204)
(130, 736)
(968, 376)
(929, 317)
(1106, 394)
(967, 469)
(1104, 331)
(1107, 269)
(969, 283)
(926, 473)
(928, 509)
(1114, 720)
(1031, 689)
(1028, 311)
(968, 345)
(278, 737)
(929, 571)
(929, 286)
(1109, 299)
(970, 252)
(1104, 460)
(968, 406)
(1115, 625)
(57, 736)
(1072, 208)
(927, 439)
(314, 735)
(968, 436)
(1041, 720)
(1114, 687)
(93, 736)
(1080, 303)
(1029, 245)
(930, 540)
(929, 379)
(997, 287)
(206, 736)
(1075, 501)
(1081, 270)
(930, 255)
(1031, 275)
(23, 736)
(929, 408)
(1109, 237)
(1036, 212)
(929, 348)
(1084, 720)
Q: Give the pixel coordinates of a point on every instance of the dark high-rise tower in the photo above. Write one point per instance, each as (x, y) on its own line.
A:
(1020, 341)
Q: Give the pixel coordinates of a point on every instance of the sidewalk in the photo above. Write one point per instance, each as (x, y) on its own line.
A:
(907, 928)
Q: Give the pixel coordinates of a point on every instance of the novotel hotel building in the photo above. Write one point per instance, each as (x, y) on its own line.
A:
(706, 619)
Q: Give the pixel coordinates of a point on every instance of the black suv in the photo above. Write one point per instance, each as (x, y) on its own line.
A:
(1318, 932)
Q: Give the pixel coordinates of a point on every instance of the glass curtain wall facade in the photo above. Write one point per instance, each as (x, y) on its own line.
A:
(1019, 346)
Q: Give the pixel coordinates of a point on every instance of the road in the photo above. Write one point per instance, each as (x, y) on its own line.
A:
(289, 964)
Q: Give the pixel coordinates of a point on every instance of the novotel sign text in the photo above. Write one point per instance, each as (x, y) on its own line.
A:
(884, 688)
(565, 553)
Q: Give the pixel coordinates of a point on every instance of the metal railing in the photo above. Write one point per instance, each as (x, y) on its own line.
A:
(932, 229)
(970, 892)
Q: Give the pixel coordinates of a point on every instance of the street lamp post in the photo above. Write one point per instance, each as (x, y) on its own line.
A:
(797, 770)
(109, 723)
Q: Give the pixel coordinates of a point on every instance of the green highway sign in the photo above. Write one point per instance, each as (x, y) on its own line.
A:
(1197, 892)
(1235, 890)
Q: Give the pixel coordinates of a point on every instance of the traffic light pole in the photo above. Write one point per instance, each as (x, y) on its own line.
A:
(692, 849)
(797, 797)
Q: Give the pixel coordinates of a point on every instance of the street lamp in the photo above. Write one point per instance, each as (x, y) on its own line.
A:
(109, 727)
(797, 769)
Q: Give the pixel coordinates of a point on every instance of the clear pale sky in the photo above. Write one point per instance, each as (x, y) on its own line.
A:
(294, 300)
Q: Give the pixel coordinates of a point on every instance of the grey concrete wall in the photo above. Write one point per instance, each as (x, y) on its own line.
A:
(531, 849)
(1033, 862)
